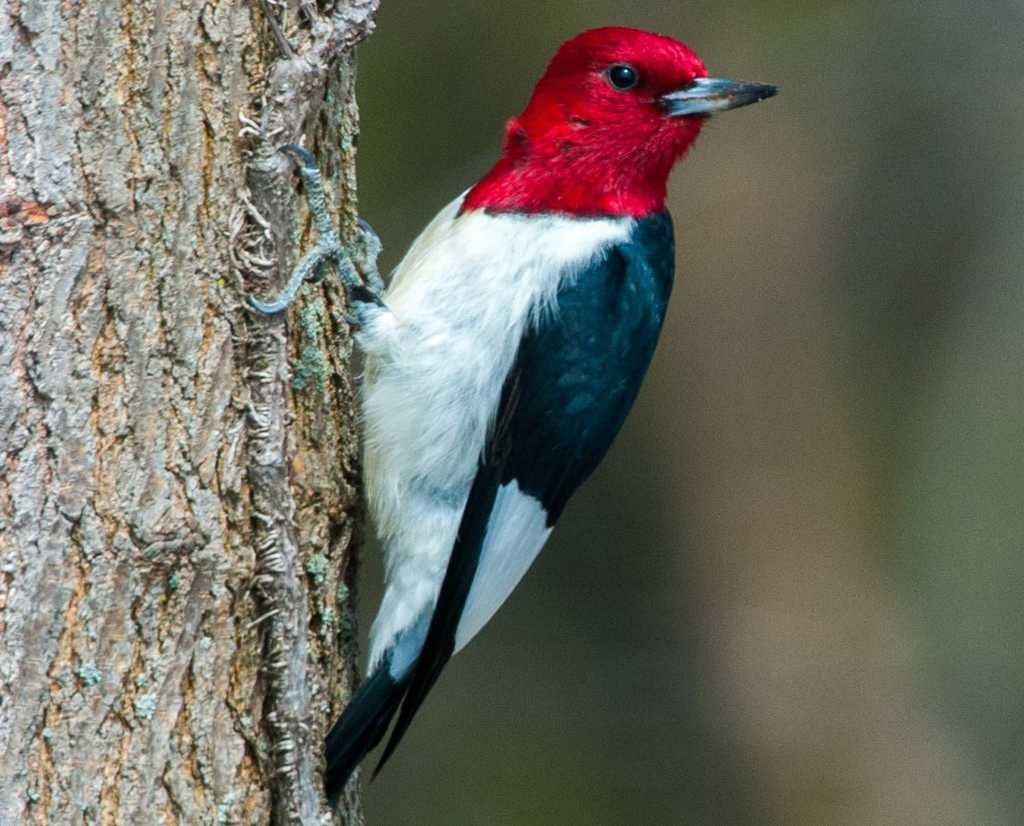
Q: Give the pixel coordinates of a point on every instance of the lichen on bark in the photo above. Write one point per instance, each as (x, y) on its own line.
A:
(165, 486)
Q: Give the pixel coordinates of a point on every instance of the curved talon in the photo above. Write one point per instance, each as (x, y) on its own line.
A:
(290, 289)
(366, 254)
(300, 153)
(368, 235)
(265, 307)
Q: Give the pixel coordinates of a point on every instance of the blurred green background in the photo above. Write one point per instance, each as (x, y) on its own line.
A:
(792, 593)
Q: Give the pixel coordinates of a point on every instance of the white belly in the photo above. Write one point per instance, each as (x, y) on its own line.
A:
(437, 359)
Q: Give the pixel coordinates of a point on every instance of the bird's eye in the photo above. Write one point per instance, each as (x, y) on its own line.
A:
(623, 77)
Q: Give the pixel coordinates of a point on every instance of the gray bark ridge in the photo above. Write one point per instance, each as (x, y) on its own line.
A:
(154, 508)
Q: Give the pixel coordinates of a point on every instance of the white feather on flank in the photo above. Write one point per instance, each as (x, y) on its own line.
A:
(438, 356)
(516, 531)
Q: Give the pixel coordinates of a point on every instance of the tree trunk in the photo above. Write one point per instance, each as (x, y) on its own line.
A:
(179, 511)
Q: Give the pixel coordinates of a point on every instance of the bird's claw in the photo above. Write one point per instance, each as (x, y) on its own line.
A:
(364, 256)
(356, 265)
(299, 153)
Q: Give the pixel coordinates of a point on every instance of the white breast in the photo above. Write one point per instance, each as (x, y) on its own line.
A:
(437, 359)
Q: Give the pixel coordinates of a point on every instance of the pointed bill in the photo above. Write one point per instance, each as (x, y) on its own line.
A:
(707, 95)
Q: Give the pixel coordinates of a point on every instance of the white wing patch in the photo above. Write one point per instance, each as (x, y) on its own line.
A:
(516, 531)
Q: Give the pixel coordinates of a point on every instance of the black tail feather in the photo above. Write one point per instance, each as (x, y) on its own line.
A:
(360, 728)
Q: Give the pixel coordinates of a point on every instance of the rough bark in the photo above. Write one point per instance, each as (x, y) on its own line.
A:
(178, 477)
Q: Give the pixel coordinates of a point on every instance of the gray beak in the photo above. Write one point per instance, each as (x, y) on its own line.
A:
(707, 95)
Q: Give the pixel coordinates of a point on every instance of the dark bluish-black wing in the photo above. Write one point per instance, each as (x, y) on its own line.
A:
(580, 372)
(576, 375)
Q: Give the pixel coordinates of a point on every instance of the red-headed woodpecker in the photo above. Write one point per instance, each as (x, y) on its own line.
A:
(509, 347)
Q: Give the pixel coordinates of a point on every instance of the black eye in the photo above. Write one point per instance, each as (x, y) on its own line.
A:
(623, 76)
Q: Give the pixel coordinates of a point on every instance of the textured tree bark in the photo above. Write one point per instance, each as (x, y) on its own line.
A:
(178, 477)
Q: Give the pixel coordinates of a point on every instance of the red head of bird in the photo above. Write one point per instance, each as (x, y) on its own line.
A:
(612, 114)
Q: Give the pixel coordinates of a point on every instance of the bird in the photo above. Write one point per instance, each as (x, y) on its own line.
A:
(508, 349)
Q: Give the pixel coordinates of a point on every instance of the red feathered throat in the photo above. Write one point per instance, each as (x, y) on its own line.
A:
(596, 176)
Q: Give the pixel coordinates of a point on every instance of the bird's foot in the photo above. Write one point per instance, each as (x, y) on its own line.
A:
(356, 265)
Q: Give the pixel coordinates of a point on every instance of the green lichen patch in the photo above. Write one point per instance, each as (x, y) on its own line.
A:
(312, 369)
(89, 674)
(145, 706)
(316, 567)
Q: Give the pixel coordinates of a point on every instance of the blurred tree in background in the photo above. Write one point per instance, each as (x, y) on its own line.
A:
(791, 595)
